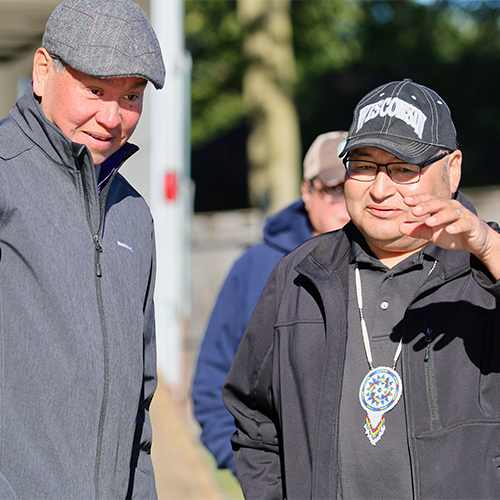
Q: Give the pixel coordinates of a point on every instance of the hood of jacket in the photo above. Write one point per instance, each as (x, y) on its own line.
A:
(290, 227)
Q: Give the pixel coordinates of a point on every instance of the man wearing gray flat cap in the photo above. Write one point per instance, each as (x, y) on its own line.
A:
(77, 264)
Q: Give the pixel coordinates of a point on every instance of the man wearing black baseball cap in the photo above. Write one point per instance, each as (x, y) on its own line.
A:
(77, 264)
(370, 368)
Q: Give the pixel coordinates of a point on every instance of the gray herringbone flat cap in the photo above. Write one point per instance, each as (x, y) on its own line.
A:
(106, 39)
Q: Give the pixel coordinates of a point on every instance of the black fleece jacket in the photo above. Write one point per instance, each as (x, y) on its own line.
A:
(285, 384)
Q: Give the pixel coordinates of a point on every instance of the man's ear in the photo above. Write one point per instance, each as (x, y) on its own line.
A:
(306, 193)
(455, 169)
(41, 63)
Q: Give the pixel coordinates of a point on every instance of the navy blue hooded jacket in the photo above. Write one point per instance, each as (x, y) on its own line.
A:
(238, 297)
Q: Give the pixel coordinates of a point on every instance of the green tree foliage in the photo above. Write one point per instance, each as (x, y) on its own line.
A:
(345, 48)
(452, 47)
(214, 38)
(326, 36)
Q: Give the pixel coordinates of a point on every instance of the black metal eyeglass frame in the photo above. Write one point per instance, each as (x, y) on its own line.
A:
(387, 165)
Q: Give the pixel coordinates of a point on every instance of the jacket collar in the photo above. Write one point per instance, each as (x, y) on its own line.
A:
(334, 249)
(326, 258)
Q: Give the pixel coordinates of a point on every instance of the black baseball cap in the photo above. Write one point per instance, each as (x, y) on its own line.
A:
(406, 119)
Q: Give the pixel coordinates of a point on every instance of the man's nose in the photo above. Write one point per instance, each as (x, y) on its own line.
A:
(382, 185)
(109, 114)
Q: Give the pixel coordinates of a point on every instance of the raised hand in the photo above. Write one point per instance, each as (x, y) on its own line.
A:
(448, 224)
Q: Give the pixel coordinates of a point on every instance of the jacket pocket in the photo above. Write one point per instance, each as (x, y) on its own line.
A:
(430, 379)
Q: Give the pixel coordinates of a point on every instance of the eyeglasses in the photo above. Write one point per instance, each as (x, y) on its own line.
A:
(334, 194)
(400, 173)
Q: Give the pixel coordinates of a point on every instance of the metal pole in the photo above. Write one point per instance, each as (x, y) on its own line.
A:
(170, 197)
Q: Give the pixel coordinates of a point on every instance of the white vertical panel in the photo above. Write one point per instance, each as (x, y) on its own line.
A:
(169, 155)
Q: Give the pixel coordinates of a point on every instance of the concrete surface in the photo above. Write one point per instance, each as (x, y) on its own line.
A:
(181, 473)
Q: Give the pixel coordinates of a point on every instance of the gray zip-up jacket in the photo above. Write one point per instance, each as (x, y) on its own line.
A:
(77, 342)
(285, 384)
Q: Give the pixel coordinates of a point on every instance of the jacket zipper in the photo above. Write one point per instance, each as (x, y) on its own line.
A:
(98, 248)
(100, 305)
(428, 340)
(105, 344)
(430, 379)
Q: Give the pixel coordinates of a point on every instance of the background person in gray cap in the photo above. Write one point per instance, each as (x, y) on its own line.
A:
(371, 366)
(77, 264)
(321, 209)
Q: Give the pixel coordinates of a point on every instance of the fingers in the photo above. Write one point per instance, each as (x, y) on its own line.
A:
(439, 212)
(448, 224)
